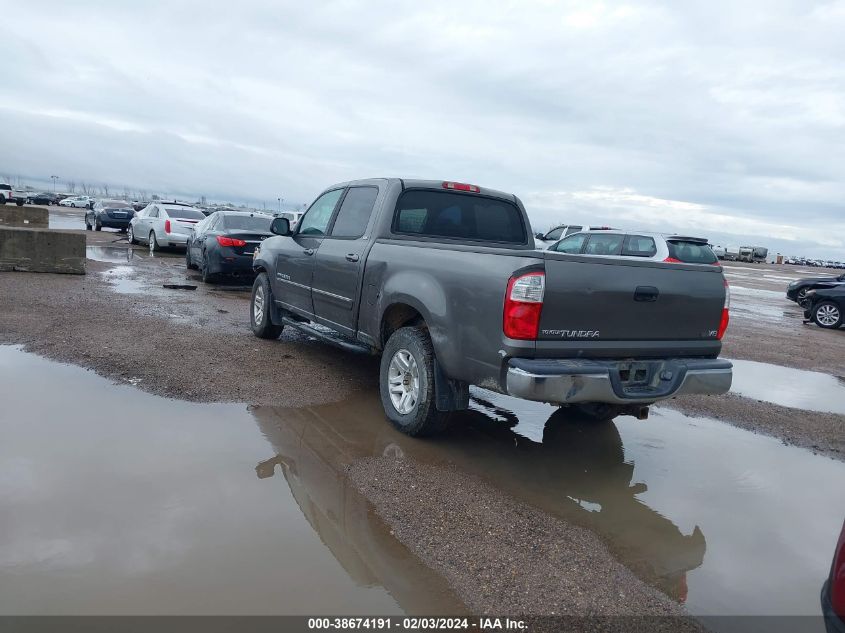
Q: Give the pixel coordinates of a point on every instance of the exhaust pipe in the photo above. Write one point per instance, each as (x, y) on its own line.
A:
(638, 411)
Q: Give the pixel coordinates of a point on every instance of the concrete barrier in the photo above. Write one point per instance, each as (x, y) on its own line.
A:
(41, 251)
(31, 217)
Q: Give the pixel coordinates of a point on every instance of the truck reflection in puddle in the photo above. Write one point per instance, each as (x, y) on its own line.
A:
(578, 473)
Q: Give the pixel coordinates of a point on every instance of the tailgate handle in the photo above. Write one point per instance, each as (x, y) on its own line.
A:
(646, 293)
(352, 257)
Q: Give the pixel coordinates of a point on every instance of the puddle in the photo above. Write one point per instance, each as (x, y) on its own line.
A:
(758, 292)
(110, 254)
(61, 221)
(120, 278)
(116, 501)
(788, 387)
(153, 505)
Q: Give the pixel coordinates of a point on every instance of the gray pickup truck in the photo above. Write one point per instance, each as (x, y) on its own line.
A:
(443, 280)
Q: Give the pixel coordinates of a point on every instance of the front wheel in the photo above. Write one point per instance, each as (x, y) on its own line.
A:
(406, 383)
(827, 315)
(259, 309)
(130, 235)
(188, 263)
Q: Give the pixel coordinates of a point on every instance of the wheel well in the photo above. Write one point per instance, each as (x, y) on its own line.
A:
(396, 316)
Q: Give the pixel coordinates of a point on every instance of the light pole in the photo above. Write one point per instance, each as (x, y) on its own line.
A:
(55, 178)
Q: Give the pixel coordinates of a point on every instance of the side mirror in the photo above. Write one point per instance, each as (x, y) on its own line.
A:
(540, 236)
(280, 226)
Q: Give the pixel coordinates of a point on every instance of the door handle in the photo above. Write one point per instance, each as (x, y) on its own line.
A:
(646, 293)
(308, 251)
(351, 257)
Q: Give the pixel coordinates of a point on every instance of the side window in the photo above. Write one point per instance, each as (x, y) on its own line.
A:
(604, 244)
(556, 234)
(316, 219)
(355, 212)
(153, 212)
(573, 229)
(639, 246)
(571, 244)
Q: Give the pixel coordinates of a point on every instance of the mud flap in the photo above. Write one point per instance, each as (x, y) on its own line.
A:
(449, 395)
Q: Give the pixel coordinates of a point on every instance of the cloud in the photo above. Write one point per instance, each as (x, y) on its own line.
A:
(737, 108)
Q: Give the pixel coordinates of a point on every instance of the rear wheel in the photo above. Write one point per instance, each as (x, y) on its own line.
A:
(406, 383)
(87, 226)
(828, 315)
(130, 235)
(259, 309)
(597, 411)
(98, 226)
(188, 263)
(207, 276)
(153, 242)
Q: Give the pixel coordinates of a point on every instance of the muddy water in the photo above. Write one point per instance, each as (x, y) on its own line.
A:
(116, 501)
(788, 387)
(156, 506)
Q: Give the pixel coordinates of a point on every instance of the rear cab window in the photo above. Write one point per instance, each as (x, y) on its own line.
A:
(444, 214)
(691, 251)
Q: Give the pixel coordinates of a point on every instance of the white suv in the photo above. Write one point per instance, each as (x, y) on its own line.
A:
(637, 245)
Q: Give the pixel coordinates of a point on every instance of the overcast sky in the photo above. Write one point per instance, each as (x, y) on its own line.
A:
(723, 119)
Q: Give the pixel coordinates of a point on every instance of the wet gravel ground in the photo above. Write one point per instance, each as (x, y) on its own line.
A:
(499, 554)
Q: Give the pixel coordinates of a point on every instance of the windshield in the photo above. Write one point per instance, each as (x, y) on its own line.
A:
(247, 222)
(180, 213)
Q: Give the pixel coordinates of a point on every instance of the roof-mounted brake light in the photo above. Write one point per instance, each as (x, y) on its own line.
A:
(460, 186)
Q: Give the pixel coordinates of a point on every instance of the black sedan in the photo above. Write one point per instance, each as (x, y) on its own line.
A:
(833, 592)
(224, 242)
(43, 198)
(797, 290)
(825, 307)
(114, 214)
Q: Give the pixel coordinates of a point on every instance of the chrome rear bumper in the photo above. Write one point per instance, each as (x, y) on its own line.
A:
(562, 381)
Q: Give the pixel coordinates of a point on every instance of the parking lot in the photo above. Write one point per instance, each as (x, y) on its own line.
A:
(268, 470)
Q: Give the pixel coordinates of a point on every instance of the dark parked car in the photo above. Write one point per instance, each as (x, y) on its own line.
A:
(833, 592)
(224, 242)
(797, 290)
(43, 198)
(825, 307)
(114, 214)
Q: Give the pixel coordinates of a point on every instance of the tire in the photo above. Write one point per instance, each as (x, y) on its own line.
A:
(87, 226)
(408, 360)
(262, 298)
(597, 411)
(98, 226)
(207, 277)
(2, 199)
(827, 315)
(19, 202)
(801, 297)
(153, 242)
(130, 236)
(188, 263)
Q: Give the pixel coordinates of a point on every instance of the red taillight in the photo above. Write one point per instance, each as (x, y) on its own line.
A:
(837, 577)
(726, 317)
(167, 226)
(523, 305)
(672, 260)
(460, 186)
(229, 241)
